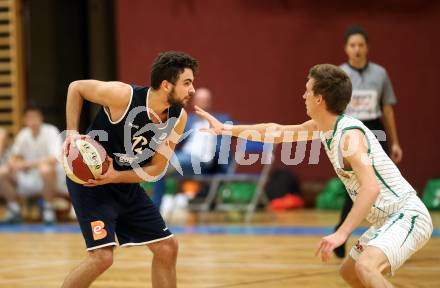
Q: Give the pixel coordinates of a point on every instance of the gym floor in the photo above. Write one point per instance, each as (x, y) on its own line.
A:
(217, 250)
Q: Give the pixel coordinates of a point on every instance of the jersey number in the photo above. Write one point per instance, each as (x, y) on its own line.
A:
(139, 144)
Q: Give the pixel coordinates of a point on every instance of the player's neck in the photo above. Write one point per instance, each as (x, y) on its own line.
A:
(358, 64)
(158, 102)
(326, 122)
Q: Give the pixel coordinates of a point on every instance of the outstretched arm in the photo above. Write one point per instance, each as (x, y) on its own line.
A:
(264, 132)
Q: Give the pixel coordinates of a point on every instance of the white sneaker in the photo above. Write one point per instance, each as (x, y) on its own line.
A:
(181, 201)
(167, 206)
(48, 216)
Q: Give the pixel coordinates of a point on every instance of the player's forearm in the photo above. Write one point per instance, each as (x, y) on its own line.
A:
(361, 207)
(243, 131)
(74, 105)
(149, 173)
(271, 132)
(390, 124)
(264, 132)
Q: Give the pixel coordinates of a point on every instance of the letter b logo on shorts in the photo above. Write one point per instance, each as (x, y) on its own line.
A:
(98, 230)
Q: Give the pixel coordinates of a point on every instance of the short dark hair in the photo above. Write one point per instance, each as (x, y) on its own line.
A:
(169, 65)
(333, 84)
(32, 106)
(353, 30)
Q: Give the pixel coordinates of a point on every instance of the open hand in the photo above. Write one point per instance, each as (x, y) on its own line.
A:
(70, 138)
(216, 127)
(328, 244)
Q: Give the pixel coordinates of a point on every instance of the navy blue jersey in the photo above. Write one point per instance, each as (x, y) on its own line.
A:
(134, 138)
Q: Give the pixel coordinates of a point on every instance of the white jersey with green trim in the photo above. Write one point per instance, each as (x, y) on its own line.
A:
(394, 189)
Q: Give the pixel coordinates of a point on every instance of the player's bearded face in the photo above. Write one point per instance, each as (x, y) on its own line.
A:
(183, 90)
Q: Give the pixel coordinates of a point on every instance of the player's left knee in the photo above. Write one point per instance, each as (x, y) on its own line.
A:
(347, 270)
(374, 259)
(102, 258)
(364, 267)
(167, 249)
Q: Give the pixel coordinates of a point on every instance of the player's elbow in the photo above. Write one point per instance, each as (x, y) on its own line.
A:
(78, 85)
(370, 190)
(74, 85)
(159, 169)
(284, 135)
(274, 133)
(374, 189)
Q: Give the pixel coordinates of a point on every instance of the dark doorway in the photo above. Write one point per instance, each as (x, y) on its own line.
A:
(66, 40)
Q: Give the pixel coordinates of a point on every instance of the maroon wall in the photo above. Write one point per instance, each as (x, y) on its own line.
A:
(255, 55)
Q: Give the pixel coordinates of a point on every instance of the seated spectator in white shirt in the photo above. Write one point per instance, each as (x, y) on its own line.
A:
(33, 167)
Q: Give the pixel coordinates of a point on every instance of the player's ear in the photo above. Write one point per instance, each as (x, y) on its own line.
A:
(319, 99)
(166, 85)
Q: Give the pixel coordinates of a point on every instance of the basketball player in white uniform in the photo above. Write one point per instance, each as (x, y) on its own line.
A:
(401, 224)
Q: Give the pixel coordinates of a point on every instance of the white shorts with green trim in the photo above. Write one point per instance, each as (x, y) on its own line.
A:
(400, 236)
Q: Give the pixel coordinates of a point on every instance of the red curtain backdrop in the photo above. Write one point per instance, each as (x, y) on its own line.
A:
(255, 56)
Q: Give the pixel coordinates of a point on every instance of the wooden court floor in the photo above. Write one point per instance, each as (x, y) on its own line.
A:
(209, 261)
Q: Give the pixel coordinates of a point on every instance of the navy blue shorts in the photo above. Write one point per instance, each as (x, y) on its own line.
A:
(123, 210)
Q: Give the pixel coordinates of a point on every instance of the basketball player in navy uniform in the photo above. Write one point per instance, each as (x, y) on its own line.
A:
(142, 126)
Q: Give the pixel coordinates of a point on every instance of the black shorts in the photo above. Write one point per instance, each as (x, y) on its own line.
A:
(121, 209)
